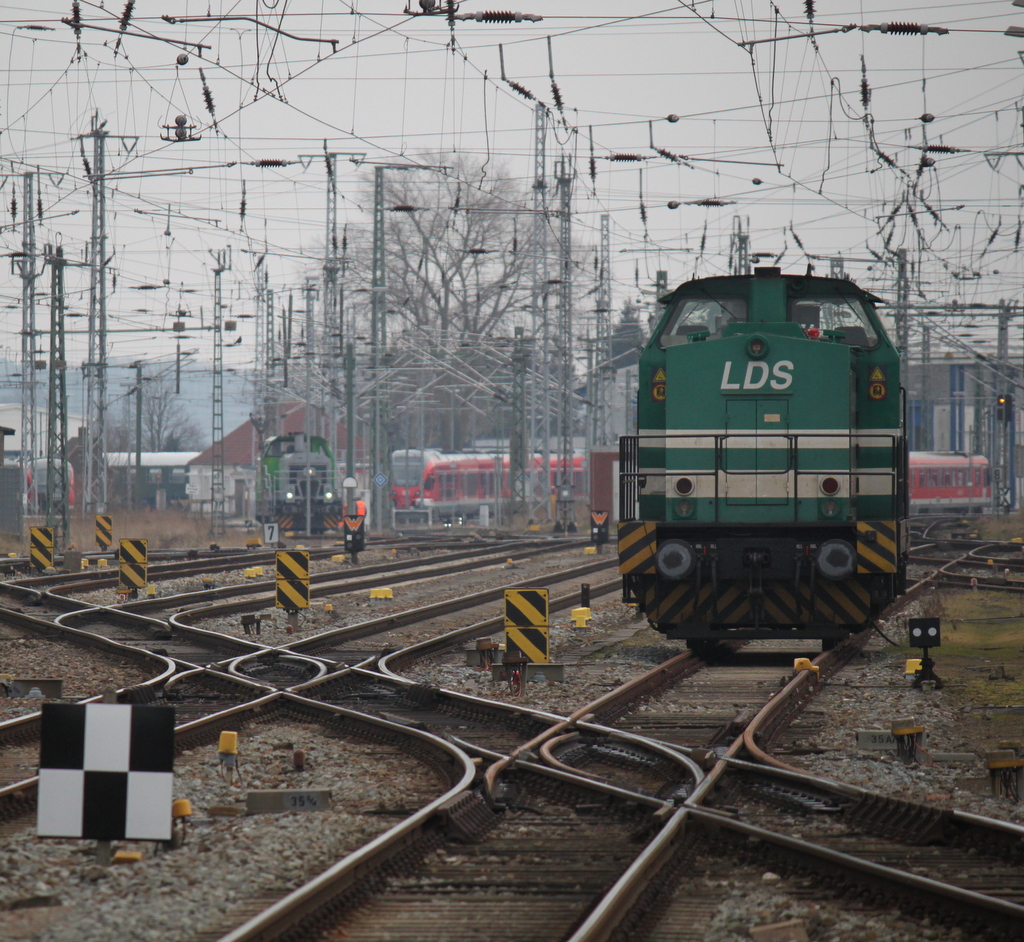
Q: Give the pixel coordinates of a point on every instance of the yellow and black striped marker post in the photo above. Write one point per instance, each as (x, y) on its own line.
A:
(292, 580)
(40, 548)
(104, 531)
(132, 564)
(526, 623)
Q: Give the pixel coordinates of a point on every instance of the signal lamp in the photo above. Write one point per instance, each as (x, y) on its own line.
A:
(684, 486)
(684, 508)
(757, 347)
(829, 486)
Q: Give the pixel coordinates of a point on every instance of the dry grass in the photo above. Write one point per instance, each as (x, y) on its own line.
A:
(1000, 527)
(166, 529)
(982, 635)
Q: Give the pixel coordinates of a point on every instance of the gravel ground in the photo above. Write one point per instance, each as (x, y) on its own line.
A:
(85, 673)
(165, 587)
(170, 896)
(227, 859)
(754, 898)
(612, 622)
(870, 694)
(356, 606)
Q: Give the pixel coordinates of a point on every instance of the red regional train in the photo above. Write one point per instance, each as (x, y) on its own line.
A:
(949, 482)
(455, 487)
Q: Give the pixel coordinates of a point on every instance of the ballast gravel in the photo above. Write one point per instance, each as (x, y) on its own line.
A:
(227, 858)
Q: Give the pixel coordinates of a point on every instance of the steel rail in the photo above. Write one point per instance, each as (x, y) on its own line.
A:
(398, 660)
(328, 583)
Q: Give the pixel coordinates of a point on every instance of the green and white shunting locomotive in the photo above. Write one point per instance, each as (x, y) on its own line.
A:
(765, 494)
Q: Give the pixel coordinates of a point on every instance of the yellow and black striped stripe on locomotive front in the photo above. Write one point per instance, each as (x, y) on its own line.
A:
(847, 602)
(637, 544)
(876, 546)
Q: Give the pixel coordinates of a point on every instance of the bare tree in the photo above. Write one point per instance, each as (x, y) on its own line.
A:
(456, 259)
(167, 424)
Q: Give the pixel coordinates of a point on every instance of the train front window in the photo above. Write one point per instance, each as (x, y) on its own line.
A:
(845, 314)
(693, 315)
(406, 470)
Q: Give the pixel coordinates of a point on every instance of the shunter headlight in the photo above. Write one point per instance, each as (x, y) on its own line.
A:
(684, 486)
(329, 495)
(836, 559)
(675, 559)
(684, 508)
(829, 508)
(289, 496)
(829, 486)
(757, 347)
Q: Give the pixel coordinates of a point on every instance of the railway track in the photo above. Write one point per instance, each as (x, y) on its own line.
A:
(668, 799)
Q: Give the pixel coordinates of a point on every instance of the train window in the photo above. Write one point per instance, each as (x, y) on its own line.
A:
(179, 475)
(153, 475)
(946, 482)
(696, 314)
(429, 484)
(406, 469)
(845, 314)
(472, 483)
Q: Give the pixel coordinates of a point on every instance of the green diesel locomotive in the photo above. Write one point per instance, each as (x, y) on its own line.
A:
(765, 494)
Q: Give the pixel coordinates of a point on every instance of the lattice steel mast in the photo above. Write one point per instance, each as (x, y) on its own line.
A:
(26, 266)
(540, 398)
(565, 498)
(95, 367)
(218, 524)
(57, 474)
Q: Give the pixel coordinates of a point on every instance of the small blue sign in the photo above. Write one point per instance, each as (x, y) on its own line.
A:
(380, 479)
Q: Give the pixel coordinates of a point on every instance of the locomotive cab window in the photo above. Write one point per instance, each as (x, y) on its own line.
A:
(696, 314)
(845, 314)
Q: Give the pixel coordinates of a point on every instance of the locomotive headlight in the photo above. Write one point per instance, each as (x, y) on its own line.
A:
(829, 486)
(329, 495)
(684, 508)
(675, 559)
(836, 559)
(829, 508)
(684, 486)
(289, 496)
(757, 348)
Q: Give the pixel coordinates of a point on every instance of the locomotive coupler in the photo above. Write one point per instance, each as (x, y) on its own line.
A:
(756, 560)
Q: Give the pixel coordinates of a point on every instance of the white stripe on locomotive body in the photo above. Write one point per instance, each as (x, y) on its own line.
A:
(882, 483)
(768, 484)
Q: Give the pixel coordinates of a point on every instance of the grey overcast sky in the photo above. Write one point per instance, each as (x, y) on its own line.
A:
(815, 144)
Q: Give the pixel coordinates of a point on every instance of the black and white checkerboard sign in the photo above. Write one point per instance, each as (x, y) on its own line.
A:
(106, 771)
